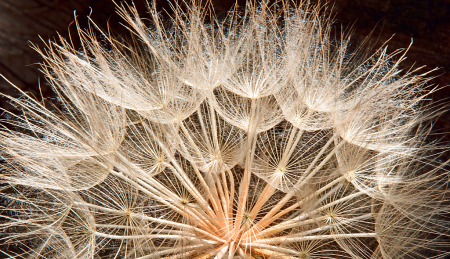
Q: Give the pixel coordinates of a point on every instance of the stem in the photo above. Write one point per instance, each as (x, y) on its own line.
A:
(222, 213)
(304, 233)
(232, 250)
(232, 191)
(270, 188)
(211, 216)
(177, 225)
(291, 146)
(222, 252)
(158, 196)
(217, 220)
(226, 201)
(177, 249)
(181, 175)
(264, 222)
(185, 212)
(315, 237)
(262, 199)
(315, 194)
(204, 256)
(294, 221)
(179, 237)
(152, 230)
(245, 181)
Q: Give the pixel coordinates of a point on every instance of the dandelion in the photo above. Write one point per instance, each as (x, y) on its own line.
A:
(257, 135)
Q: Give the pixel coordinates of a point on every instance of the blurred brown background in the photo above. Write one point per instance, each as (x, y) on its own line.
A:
(425, 21)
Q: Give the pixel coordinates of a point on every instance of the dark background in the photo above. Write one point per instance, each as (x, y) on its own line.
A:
(426, 22)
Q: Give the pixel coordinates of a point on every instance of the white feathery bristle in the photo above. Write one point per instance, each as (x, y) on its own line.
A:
(257, 135)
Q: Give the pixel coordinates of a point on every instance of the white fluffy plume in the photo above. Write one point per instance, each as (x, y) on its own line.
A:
(257, 135)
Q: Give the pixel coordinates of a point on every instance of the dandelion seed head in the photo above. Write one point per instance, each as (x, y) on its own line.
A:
(258, 135)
